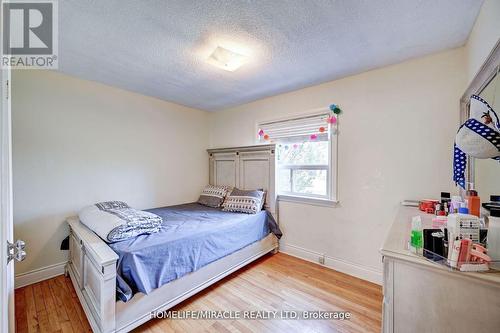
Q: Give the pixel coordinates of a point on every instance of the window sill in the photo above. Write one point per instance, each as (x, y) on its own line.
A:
(308, 200)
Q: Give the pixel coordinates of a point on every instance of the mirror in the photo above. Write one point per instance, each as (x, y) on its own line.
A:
(487, 171)
(484, 173)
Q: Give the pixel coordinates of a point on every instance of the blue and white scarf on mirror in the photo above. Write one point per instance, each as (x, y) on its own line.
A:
(478, 137)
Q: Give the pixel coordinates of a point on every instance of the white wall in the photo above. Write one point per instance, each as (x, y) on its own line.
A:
(396, 135)
(483, 37)
(77, 142)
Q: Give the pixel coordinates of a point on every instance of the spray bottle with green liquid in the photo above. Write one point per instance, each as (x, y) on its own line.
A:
(417, 238)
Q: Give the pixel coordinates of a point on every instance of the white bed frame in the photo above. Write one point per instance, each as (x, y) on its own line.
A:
(92, 263)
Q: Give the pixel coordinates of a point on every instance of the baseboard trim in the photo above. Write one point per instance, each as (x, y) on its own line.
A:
(343, 266)
(360, 271)
(40, 274)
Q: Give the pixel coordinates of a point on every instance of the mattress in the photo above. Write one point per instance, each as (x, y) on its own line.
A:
(191, 237)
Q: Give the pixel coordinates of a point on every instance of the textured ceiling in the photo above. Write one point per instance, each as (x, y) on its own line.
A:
(158, 48)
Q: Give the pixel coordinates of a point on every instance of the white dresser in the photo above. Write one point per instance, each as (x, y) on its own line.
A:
(421, 296)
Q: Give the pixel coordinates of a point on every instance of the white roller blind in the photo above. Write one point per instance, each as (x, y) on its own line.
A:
(296, 129)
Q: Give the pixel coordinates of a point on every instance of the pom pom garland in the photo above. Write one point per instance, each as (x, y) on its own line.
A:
(331, 120)
(335, 109)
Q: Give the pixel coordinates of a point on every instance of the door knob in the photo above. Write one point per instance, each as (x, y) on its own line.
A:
(20, 244)
(20, 255)
(16, 250)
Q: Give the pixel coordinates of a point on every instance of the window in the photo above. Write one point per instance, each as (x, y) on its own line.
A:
(304, 165)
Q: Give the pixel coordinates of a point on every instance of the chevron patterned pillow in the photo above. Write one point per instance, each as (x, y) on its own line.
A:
(244, 201)
(213, 196)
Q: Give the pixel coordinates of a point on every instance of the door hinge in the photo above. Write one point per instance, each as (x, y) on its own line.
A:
(8, 90)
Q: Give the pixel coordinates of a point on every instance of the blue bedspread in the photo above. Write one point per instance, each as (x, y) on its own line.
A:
(191, 237)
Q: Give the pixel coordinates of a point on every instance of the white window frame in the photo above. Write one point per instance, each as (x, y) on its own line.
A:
(331, 199)
(295, 167)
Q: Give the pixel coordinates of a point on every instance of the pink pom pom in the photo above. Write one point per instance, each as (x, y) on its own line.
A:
(295, 146)
(331, 120)
(261, 132)
(314, 136)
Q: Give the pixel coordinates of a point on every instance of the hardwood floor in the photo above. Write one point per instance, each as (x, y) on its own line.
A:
(273, 283)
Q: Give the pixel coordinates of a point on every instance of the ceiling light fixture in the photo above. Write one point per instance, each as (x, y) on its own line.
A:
(226, 59)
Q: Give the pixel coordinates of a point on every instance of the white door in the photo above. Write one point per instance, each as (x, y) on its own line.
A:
(8, 251)
(6, 268)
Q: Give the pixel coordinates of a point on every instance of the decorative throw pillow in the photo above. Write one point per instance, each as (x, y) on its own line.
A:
(244, 201)
(264, 198)
(213, 196)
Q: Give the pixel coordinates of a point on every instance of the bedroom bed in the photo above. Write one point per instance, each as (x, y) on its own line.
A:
(121, 284)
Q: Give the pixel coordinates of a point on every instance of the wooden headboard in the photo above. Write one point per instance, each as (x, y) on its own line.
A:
(247, 168)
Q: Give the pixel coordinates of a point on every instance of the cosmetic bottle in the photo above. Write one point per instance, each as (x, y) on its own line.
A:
(445, 198)
(473, 201)
(464, 255)
(445, 243)
(463, 225)
(437, 209)
(446, 208)
(416, 239)
(455, 252)
(455, 204)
